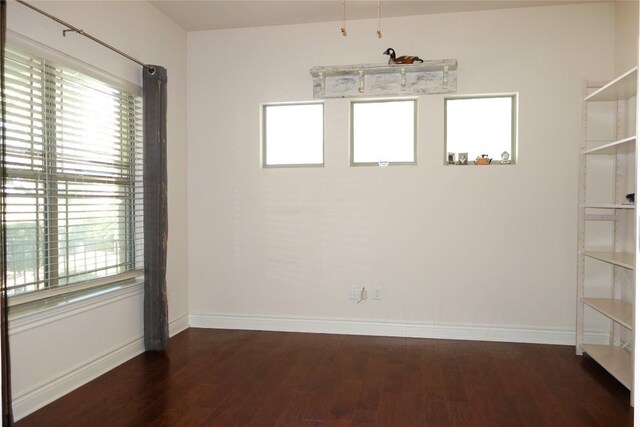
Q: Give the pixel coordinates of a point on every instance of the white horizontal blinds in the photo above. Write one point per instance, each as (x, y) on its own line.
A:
(24, 162)
(74, 166)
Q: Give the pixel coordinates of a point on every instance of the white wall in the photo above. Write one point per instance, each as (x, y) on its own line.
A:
(626, 35)
(449, 246)
(52, 354)
(477, 252)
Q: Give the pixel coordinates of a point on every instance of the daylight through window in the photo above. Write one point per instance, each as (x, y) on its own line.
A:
(383, 132)
(481, 125)
(74, 179)
(293, 134)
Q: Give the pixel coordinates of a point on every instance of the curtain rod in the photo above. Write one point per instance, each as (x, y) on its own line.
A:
(81, 32)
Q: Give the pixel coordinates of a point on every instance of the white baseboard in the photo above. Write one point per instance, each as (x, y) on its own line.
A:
(178, 325)
(394, 329)
(46, 392)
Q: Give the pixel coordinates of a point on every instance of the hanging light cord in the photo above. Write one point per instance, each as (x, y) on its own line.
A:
(343, 29)
(379, 32)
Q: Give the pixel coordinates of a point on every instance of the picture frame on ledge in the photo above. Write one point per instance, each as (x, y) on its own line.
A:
(463, 158)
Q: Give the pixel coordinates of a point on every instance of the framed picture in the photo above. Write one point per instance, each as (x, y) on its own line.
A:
(463, 158)
(451, 158)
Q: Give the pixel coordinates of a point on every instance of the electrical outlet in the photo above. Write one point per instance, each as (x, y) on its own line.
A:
(354, 293)
(377, 292)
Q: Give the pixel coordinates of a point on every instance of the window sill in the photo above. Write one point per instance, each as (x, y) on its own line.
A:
(490, 164)
(382, 165)
(30, 315)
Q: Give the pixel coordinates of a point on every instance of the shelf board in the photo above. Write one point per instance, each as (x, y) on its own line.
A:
(427, 65)
(622, 259)
(609, 206)
(615, 360)
(623, 87)
(611, 147)
(352, 81)
(617, 310)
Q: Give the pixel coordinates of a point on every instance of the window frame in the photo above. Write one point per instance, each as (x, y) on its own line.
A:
(89, 286)
(513, 154)
(263, 135)
(352, 162)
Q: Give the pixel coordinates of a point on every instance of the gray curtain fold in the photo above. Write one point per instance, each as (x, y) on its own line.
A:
(156, 324)
(5, 359)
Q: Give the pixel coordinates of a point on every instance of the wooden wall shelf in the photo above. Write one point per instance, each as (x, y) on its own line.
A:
(352, 81)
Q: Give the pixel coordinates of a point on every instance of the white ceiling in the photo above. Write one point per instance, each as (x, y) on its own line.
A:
(219, 14)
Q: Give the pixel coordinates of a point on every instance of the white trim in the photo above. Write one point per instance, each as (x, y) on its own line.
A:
(178, 325)
(394, 329)
(47, 391)
(26, 319)
(54, 388)
(36, 48)
(60, 292)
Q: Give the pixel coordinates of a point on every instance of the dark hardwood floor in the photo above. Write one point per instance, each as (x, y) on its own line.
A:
(243, 378)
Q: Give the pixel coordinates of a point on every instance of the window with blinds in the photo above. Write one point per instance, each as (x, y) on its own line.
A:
(73, 194)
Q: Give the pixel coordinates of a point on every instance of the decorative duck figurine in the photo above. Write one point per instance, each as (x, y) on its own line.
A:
(401, 59)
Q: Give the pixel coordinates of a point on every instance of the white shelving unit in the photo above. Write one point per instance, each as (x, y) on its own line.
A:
(618, 310)
(623, 87)
(621, 259)
(610, 206)
(617, 361)
(612, 147)
(606, 241)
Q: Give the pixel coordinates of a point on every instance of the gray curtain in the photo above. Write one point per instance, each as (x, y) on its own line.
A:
(5, 360)
(156, 325)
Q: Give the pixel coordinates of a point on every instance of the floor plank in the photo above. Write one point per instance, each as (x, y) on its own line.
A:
(212, 377)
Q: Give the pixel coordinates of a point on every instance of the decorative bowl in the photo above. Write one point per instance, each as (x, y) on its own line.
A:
(482, 161)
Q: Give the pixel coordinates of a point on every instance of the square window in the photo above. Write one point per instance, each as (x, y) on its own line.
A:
(481, 125)
(293, 135)
(383, 132)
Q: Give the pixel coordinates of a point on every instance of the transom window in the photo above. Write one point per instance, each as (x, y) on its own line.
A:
(293, 134)
(383, 132)
(74, 179)
(481, 125)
